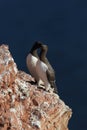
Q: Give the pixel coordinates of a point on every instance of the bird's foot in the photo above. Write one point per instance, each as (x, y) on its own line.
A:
(49, 89)
(41, 86)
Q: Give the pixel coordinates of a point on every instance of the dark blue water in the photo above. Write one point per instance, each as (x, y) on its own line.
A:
(62, 25)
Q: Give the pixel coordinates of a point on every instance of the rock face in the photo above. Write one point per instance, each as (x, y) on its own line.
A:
(24, 106)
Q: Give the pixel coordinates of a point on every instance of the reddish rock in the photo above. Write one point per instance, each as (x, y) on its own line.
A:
(24, 106)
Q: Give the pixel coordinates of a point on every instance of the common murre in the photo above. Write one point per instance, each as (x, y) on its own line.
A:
(50, 73)
(40, 68)
(32, 59)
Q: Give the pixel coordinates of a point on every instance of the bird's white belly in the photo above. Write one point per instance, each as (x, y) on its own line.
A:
(31, 62)
(38, 70)
(41, 69)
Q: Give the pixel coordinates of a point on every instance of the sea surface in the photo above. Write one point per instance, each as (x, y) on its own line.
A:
(62, 25)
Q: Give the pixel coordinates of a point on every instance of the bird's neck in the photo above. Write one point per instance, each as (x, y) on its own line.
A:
(44, 59)
(43, 56)
(34, 53)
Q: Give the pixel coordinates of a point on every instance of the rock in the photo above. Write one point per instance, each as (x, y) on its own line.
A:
(24, 106)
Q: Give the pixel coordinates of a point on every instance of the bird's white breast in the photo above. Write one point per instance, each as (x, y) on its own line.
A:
(41, 66)
(31, 62)
(37, 69)
(41, 69)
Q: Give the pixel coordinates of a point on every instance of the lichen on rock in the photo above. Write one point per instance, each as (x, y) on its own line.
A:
(24, 106)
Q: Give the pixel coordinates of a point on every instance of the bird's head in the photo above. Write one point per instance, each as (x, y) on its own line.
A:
(37, 45)
(44, 47)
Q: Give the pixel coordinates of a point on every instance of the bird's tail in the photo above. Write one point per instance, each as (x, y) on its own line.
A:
(53, 85)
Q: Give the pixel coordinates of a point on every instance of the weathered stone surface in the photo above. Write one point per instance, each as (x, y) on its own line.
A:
(24, 106)
(8, 69)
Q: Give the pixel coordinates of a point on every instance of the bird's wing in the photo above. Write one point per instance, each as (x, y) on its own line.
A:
(51, 79)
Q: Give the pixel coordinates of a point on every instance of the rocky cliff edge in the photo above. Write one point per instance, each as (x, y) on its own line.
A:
(24, 106)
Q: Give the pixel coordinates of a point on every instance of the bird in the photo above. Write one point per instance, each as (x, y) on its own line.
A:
(48, 74)
(31, 60)
(40, 68)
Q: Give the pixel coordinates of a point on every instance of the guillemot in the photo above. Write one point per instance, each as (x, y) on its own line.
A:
(45, 71)
(40, 68)
(32, 60)
(50, 73)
